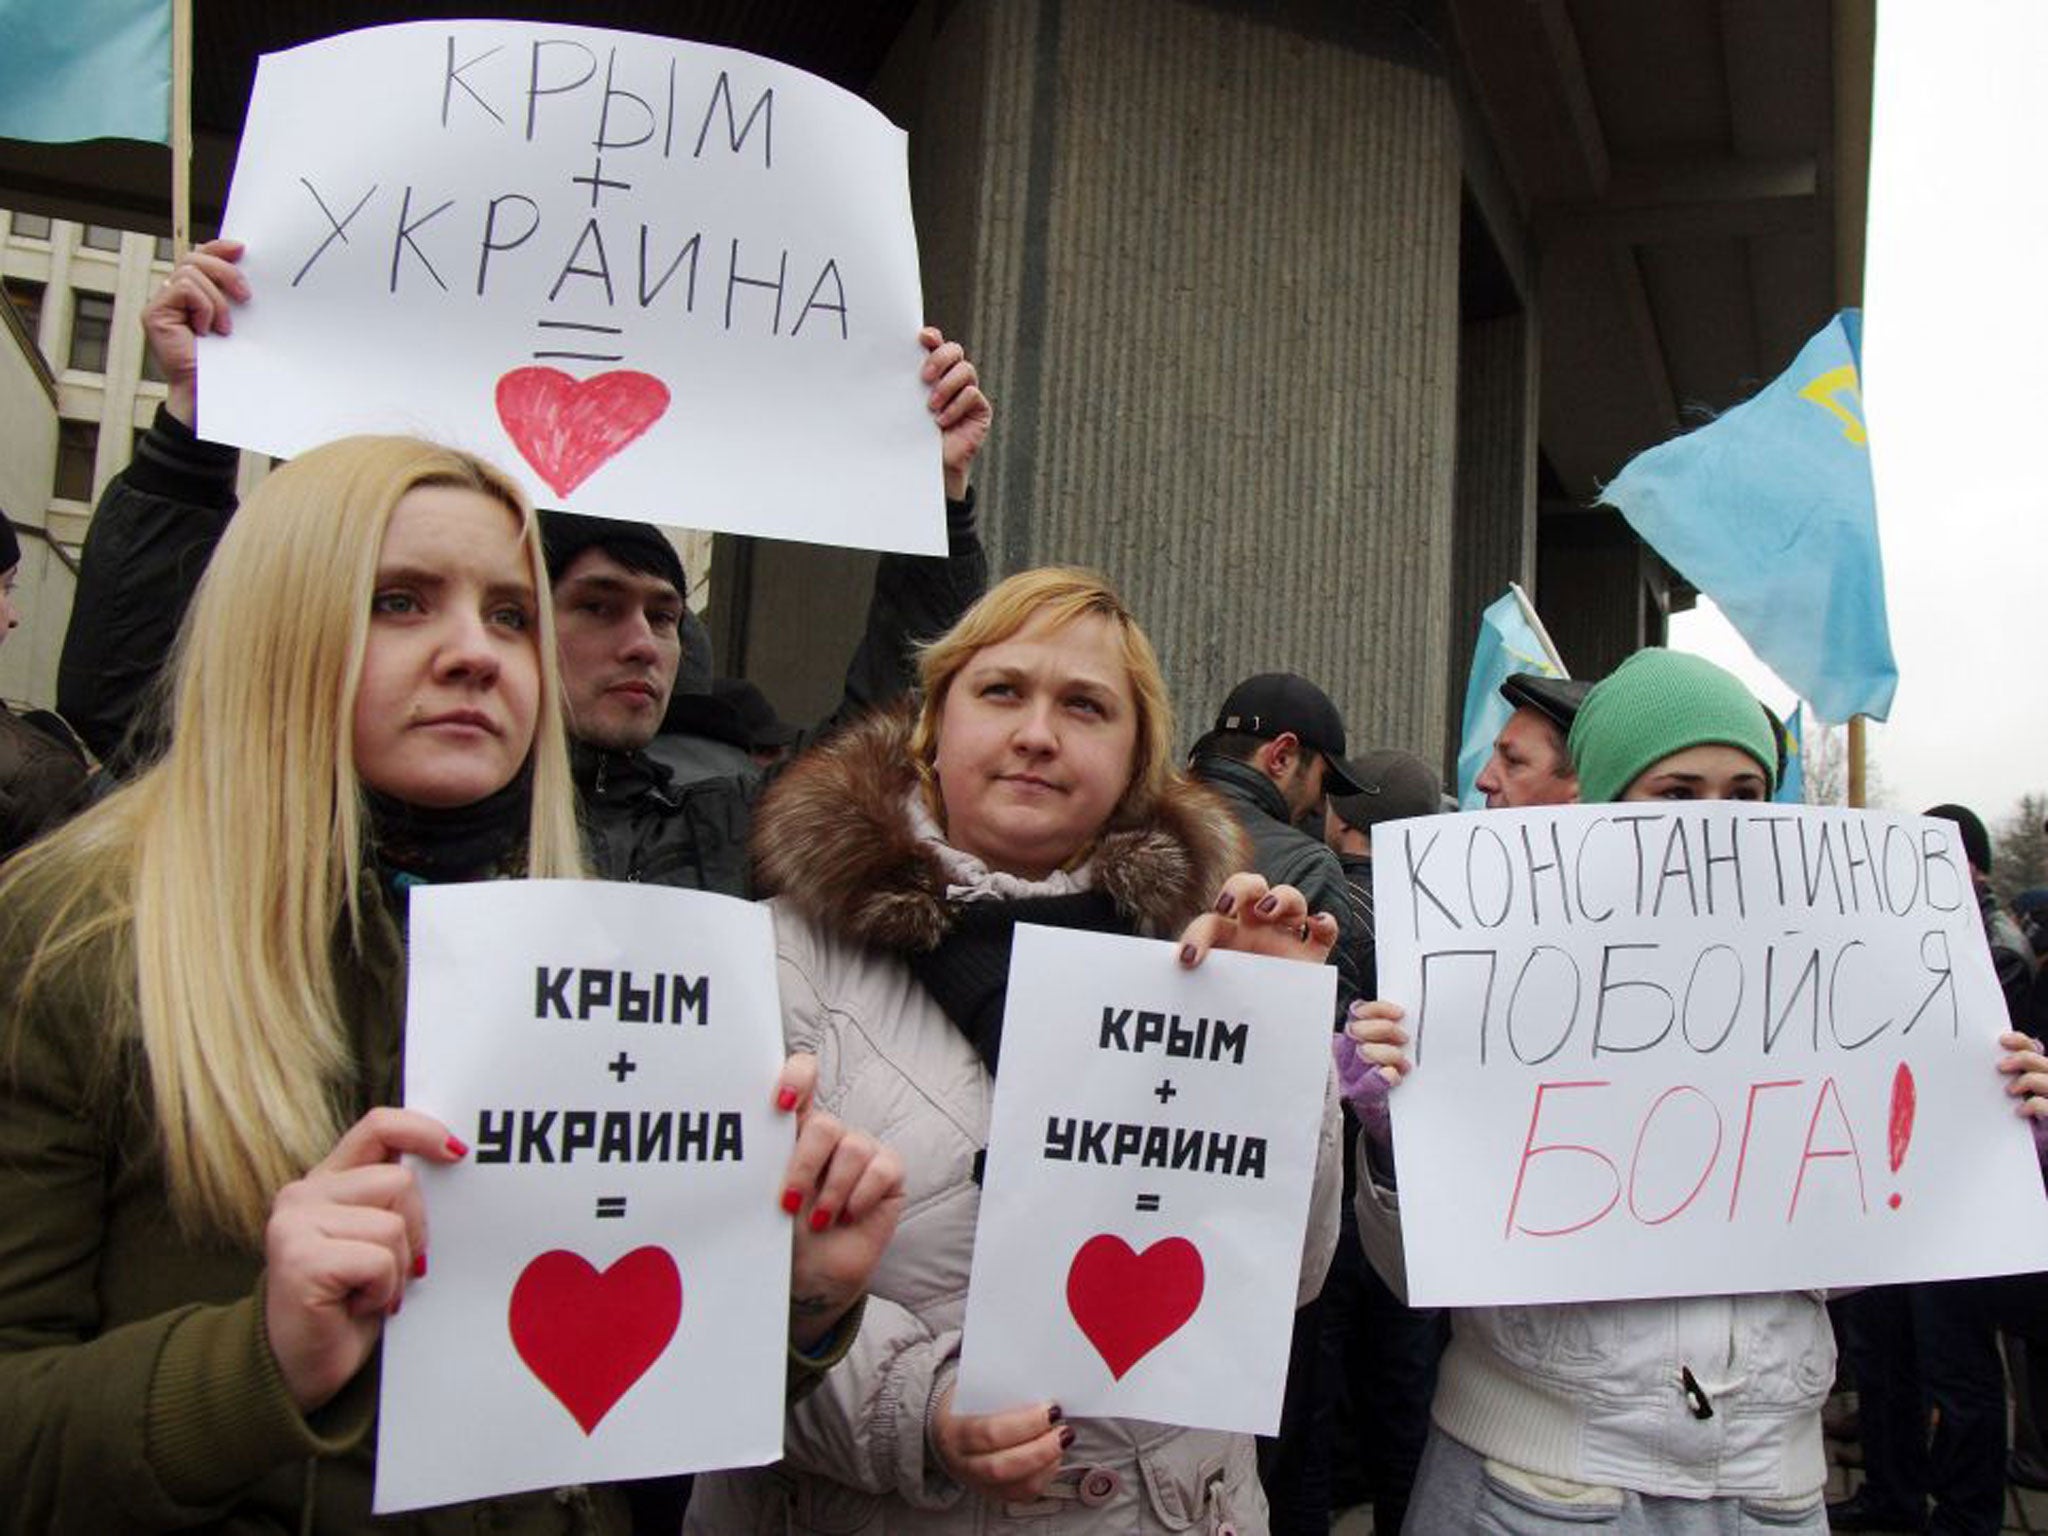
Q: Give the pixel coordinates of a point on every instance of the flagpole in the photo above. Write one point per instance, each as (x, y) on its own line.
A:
(1856, 723)
(1536, 623)
(181, 126)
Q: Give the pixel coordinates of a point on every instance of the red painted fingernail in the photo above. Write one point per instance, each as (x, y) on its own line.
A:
(1054, 1414)
(786, 1100)
(1067, 1437)
(1269, 904)
(457, 1147)
(419, 1265)
(821, 1218)
(792, 1200)
(1187, 954)
(1226, 903)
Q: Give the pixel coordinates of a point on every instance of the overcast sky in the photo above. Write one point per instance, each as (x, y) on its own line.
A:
(1955, 384)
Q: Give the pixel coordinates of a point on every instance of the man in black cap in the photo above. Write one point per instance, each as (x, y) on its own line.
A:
(1530, 764)
(1391, 784)
(1277, 749)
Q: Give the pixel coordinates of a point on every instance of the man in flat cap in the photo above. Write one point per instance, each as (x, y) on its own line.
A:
(1530, 765)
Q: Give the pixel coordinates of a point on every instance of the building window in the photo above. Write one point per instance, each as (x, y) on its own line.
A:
(92, 323)
(27, 299)
(163, 248)
(30, 226)
(78, 442)
(99, 237)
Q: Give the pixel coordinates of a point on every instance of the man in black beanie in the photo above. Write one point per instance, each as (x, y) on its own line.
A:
(618, 590)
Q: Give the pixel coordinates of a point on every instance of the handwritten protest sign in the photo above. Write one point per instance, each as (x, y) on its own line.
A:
(656, 279)
(608, 1291)
(1150, 1158)
(1693, 1049)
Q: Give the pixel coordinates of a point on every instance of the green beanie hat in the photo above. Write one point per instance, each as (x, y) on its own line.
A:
(1654, 704)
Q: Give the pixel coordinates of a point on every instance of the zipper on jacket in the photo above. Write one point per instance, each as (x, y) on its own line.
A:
(1696, 1399)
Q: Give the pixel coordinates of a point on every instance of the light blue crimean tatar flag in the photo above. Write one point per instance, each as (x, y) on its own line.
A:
(1511, 639)
(1768, 509)
(1792, 740)
(85, 69)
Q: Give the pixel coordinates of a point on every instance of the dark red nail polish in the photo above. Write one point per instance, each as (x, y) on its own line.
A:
(821, 1218)
(792, 1200)
(457, 1147)
(1067, 1437)
(1269, 905)
(419, 1265)
(1226, 903)
(1187, 954)
(1054, 1414)
(786, 1100)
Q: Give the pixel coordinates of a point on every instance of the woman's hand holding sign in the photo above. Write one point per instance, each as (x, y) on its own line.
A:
(340, 1246)
(962, 411)
(845, 1190)
(1257, 919)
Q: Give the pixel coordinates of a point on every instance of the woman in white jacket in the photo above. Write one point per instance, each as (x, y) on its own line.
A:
(1696, 1414)
(1034, 784)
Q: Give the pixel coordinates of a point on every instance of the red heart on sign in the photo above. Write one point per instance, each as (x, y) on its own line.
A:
(588, 1336)
(568, 428)
(1130, 1303)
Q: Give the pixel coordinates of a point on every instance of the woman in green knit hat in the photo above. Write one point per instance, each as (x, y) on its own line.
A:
(1674, 1416)
(1668, 726)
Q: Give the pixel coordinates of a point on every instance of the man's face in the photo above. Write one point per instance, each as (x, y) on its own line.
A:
(1529, 765)
(1299, 779)
(617, 633)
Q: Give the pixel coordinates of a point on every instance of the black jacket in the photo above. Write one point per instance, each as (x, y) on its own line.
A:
(156, 527)
(1286, 855)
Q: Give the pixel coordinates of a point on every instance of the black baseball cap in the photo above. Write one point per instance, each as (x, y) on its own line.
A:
(1391, 784)
(1285, 703)
(1557, 699)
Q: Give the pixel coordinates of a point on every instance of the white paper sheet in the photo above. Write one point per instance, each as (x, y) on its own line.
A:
(1151, 1154)
(655, 279)
(608, 1283)
(1667, 1050)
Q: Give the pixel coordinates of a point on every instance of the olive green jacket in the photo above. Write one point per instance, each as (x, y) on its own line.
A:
(139, 1391)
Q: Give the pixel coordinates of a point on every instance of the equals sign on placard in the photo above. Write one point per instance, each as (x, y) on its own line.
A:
(609, 1206)
(1148, 1202)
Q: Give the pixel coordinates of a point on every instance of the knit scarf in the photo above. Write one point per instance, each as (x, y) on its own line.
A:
(460, 842)
(968, 974)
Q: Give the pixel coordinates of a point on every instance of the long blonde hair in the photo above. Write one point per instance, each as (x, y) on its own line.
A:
(1062, 594)
(236, 862)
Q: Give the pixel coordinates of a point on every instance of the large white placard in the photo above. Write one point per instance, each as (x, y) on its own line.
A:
(1681, 1049)
(656, 279)
(608, 1285)
(1151, 1154)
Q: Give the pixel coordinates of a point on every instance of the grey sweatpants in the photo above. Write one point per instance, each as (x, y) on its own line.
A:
(1458, 1493)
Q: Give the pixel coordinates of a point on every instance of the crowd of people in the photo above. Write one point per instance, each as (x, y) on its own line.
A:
(386, 670)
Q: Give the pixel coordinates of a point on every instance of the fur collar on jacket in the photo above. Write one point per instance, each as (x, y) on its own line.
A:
(831, 837)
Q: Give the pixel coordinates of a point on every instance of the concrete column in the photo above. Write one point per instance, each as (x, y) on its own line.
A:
(1207, 255)
(1496, 485)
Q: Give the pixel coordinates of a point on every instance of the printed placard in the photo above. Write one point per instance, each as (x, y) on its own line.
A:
(1692, 1049)
(608, 1289)
(1151, 1154)
(630, 269)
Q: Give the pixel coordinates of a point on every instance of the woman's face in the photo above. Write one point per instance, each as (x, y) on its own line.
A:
(1701, 773)
(1036, 742)
(450, 685)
